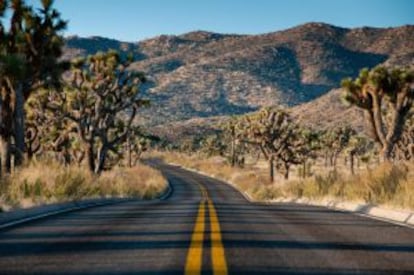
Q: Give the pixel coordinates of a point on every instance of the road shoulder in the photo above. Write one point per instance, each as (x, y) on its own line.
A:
(24, 215)
(399, 217)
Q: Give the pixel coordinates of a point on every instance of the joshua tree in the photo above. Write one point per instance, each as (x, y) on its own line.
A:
(233, 134)
(334, 141)
(358, 146)
(190, 144)
(300, 146)
(29, 59)
(100, 102)
(270, 130)
(213, 145)
(382, 91)
(292, 154)
(308, 143)
(327, 141)
(137, 142)
(48, 133)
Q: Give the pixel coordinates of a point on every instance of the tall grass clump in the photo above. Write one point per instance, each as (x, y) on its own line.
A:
(48, 182)
(388, 184)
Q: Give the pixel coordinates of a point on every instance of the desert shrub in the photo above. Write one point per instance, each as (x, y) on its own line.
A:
(385, 182)
(325, 183)
(71, 185)
(45, 182)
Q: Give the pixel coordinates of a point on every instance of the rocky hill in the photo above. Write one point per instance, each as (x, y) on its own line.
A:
(202, 74)
(329, 111)
(325, 112)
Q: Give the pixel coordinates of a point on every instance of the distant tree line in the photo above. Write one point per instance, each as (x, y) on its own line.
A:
(385, 94)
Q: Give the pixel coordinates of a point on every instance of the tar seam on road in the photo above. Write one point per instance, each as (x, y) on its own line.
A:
(194, 257)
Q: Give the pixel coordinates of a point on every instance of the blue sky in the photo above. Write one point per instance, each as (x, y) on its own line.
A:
(132, 20)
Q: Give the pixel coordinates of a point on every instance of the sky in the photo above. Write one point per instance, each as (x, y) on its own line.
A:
(134, 20)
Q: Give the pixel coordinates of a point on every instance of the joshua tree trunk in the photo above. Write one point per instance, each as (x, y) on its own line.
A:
(101, 159)
(129, 151)
(286, 174)
(19, 127)
(30, 155)
(331, 160)
(351, 163)
(335, 159)
(129, 158)
(386, 152)
(271, 169)
(66, 157)
(90, 156)
(78, 156)
(5, 155)
(6, 123)
(258, 156)
(233, 153)
(304, 172)
(395, 128)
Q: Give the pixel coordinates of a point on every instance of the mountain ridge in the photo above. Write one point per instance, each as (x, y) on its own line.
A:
(207, 74)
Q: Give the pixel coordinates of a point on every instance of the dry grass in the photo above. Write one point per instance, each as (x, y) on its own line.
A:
(48, 182)
(385, 184)
(250, 179)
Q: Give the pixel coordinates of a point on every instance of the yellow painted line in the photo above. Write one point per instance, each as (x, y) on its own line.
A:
(194, 257)
(217, 249)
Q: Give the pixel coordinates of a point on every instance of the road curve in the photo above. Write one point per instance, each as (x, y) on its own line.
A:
(206, 227)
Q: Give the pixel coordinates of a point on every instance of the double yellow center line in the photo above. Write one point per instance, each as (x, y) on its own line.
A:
(195, 253)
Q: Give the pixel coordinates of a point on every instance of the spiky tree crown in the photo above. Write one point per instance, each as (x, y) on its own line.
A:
(31, 48)
(386, 95)
(381, 82)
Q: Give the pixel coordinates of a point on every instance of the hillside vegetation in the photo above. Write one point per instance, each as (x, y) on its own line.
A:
(323, 113)
(203, 74)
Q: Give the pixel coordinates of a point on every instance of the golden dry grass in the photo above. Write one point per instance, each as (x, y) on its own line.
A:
(251, 180)
(47, 182)
(384, 184)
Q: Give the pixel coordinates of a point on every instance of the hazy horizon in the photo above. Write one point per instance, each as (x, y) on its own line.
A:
(226, 33)
(132, 20)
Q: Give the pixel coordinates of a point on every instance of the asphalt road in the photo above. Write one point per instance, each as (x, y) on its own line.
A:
(208, 227)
